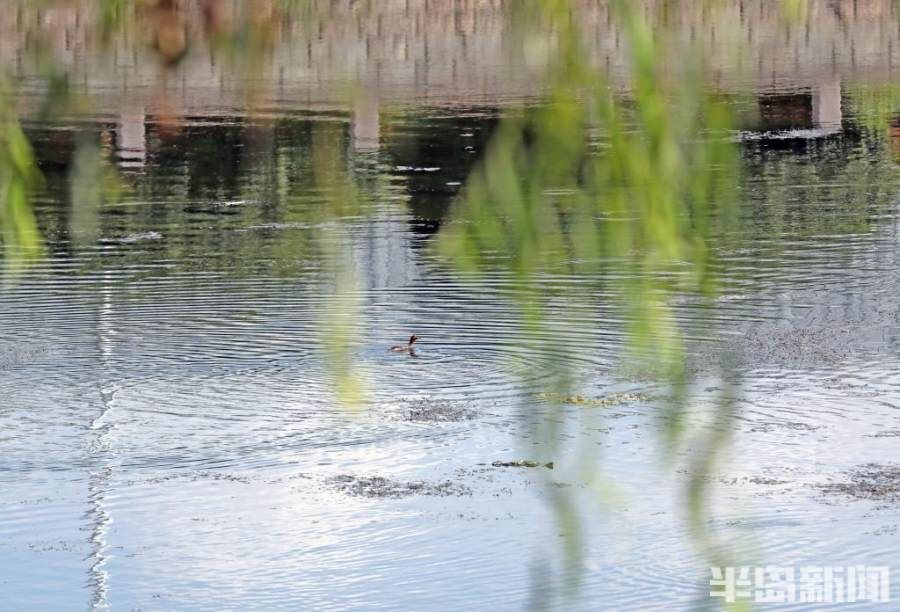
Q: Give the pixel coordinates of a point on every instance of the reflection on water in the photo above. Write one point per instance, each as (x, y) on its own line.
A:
(170, 438)
(172, 442)
(444, 54)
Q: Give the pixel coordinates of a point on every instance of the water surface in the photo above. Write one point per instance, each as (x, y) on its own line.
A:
(171, 439)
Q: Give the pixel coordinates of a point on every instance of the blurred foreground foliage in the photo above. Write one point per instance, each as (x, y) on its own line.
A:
(19, 177)
(551, 196)
(631, 189)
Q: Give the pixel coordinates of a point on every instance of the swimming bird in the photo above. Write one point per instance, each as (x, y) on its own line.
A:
(405, 348)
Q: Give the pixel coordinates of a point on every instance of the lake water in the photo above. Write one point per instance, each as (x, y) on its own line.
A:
(170, 439)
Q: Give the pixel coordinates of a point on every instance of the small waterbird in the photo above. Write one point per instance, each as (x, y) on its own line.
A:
(405, 348)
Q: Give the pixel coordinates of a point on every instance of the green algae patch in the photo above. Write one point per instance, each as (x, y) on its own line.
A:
(613, 399)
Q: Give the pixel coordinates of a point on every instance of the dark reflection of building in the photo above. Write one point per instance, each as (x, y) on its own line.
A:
(818, 106)
(785, 111)
(54, 149)
(435, 157)
(788, 118)
(230, 173)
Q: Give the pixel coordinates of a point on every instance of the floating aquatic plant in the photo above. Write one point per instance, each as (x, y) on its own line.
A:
(614, 399)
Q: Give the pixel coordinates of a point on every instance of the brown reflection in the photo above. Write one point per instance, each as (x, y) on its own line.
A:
(170, 37)
(895, 138)
(218, 17)
(168, 118)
